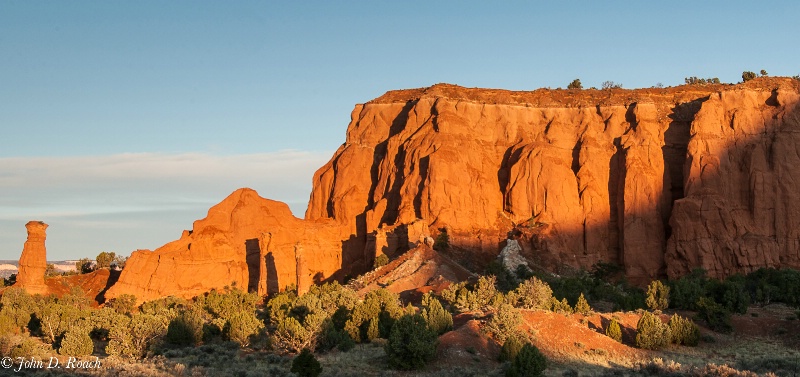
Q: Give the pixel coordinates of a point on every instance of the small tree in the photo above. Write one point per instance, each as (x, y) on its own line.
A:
(124, 304)
(611, 85)
(438, 319)
(411, 343)
(683, 331)
(651, 333)
(529, 362)
(104, 259)
(442, 241)
(575, 84)
(381, 260)
(764, 73)
(582, 306)
(748, 75)
(306, 365)
(614, 331)
(76, 342)
(511, 348)
(533, 294)
(504, 323)
(657, 295)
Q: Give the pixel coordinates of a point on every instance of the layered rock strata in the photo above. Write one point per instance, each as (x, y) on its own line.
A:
(33, 261)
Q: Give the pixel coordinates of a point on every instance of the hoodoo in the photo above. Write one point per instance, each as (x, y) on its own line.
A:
(33, 261)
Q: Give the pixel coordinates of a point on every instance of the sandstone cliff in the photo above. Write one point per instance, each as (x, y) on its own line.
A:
(658, 180)
(245, 241)
(593, 174)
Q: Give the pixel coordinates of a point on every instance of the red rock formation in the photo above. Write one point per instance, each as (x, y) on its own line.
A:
(33, 261)
(659, 180)
(245, 241)
(595, 172)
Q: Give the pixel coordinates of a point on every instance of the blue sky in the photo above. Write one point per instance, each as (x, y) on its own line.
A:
(122, 122)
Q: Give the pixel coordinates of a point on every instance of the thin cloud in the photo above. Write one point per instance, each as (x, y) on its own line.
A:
(92, 194)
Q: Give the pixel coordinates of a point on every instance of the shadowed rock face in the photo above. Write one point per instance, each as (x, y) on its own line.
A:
(595, 175)
(33, 261)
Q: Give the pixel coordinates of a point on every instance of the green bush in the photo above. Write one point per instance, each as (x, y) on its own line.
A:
(124, 304)
(186, 329)
(511, 348)
(748, 75)
(683, 331)
(614, 331)
(306, 365)
(657, 296)
(378, 311)
(715, 315)
(575, 84)
(582, 306)
(411, 343)
(442, 241)
(438, 319)
(529, 362)
(651, 332)
(241, 326)
(561, 306)
(533, 294)
(136, 336)
(18, 306)
(381, 260)
(482, 297)
(76, 342)
(504, 323)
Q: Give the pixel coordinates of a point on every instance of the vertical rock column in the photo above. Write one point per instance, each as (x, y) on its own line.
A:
(33, 261)
(303, 283)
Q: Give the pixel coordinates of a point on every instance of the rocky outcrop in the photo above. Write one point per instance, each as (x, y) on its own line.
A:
(245, 241)
(596, 173)
(742, 205)
(33, 261)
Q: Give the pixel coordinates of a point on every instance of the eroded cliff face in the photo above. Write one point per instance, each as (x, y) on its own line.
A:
(594, 175)
(245, 241)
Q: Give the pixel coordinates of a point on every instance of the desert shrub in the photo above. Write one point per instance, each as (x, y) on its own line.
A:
(694, 80)
(241, 326)
(333, 337)
(730, 293)
(533, 294)
(85, 266)
(715, 315)
(683, 331)
(57, 315)
(104, 259)
(561, 306)
(764, 73)
(411, 343)
(30, 348)
(18, 306)
(438, 319)
(77, 342)
(511, 348)
(685, 291)
(582, 306)
(657, 295)
(379, 310)
(306, 365)
(575, 84)
(228, 302)
(7, 325)
(124, 304)
(748, 75)
(442, 241)
(504, 323)
(614, 331)
(381, 260)
(611, 85)
(481, 297)
(529, 362)
(651, 332)
(168, 307)
(186, 329)
(137, 336)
